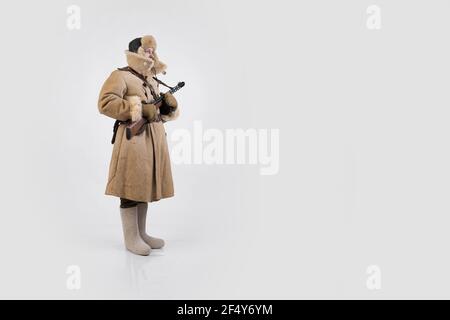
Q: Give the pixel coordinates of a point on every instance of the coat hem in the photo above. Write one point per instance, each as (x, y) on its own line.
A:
(140, 199)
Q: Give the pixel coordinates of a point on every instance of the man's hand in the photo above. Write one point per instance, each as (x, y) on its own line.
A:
(169, 104)
(170, 100)
(149, 111)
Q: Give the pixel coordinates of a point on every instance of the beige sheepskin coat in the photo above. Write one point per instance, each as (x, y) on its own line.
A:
(140, 168)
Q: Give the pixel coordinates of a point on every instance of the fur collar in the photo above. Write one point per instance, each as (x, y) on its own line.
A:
(145, 66)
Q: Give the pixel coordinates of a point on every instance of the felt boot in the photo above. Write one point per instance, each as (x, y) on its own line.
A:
(133, 240)
(154, 243)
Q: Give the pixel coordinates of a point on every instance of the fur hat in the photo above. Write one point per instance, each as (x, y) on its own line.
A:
(139, 45)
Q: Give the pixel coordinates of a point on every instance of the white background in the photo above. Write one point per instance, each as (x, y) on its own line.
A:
(364, 175)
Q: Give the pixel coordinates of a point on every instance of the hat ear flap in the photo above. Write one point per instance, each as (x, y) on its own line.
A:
(159, 66)
(134, 45)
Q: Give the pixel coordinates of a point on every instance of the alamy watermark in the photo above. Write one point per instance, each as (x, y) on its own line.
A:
(373, 281)
(73, 281)
(373, 21)
(227, 147)
(73, 21)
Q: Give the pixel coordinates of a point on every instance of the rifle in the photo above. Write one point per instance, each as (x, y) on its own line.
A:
(134, 128)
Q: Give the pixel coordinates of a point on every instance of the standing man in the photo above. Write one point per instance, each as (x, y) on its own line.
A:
(140, 169)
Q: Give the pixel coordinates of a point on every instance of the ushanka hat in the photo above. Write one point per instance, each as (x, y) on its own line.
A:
(139, 45)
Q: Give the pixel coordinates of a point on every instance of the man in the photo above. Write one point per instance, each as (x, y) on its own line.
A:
(140, 169)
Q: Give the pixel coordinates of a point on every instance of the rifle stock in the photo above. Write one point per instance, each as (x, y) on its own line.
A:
(133, 128)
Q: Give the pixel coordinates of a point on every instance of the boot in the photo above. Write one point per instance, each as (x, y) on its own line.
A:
(154, 243)
(133, 241)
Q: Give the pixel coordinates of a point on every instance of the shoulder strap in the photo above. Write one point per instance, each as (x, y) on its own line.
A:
(160, 82)
(140, 76)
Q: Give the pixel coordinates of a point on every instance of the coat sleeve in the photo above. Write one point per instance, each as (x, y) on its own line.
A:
(111, 101)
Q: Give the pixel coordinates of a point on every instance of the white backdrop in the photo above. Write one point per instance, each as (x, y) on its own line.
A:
(358, 208)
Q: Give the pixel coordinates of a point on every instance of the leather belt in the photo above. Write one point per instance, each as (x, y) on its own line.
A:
(117, 123)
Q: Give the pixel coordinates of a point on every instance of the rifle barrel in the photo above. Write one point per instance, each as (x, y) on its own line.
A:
(173, 90)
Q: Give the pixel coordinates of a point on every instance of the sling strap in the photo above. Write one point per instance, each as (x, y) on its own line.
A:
(160, 82)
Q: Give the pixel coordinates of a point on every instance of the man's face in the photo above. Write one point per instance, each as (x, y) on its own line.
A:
(148, 53)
